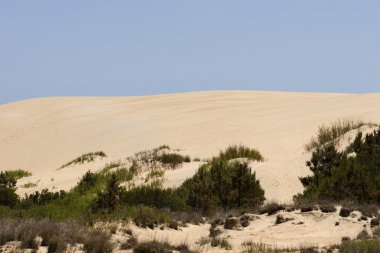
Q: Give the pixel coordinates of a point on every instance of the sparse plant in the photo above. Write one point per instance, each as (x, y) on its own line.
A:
(130, 243)
(153, 247)
(221, 243)
(29, 185)
(98, 241)
(17, 174)
(88, 157)
(360, 246)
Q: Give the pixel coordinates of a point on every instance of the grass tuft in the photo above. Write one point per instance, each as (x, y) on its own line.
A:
(234, 152)
(332, 132)
(89, 157)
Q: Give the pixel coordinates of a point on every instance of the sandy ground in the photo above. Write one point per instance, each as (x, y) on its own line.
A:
(311, 229)
(40, 135)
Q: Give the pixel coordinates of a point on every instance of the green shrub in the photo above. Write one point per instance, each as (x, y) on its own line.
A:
(43, 197)
(172, 159)
(153, 196)
(339, 177)
(234, 152)
(18, 174)
(7, 180)
(221, 183)
(144, 216)
(108, 199)
(8, 196)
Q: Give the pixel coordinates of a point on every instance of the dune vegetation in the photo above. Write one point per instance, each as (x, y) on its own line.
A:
(85, 158)
(351, 175)
(224, 184)
(332, 132)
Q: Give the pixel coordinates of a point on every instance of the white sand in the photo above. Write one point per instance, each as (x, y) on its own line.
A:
(40, 135)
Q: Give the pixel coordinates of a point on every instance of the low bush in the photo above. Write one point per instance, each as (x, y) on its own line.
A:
(98, 241)
(153, 196)
(172, 159)
(271, 208)
(153, 247)
(56, 245)
(17, 174)
(55, 235)
(130, 243)
(221, 243)
(156, 246)
(43, 197)
(360, 246)
(8, 196)
(234, 152)
(149, 217)
(251, 247)
(222, 184)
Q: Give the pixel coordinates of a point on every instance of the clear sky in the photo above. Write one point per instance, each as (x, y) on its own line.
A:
(102, 48)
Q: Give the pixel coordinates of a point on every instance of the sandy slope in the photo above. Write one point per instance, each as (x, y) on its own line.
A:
(40, 135)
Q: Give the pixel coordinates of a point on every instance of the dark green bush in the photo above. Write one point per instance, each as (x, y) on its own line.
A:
(43, 197)
(8, 196)
(7, 180)
(153, 196)
(223, 184)
(338, 176)
(108, 199)
(172, 159)
(17, 174)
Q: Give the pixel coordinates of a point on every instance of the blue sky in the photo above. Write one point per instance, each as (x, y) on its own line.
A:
(105, 48)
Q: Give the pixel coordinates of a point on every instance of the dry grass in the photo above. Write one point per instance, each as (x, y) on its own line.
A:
(252, 247)
(89, 157)
(55, 235)
(156, 246)
(332, 132)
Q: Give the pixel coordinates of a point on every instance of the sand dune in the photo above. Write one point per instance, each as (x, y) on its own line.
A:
(40, 135)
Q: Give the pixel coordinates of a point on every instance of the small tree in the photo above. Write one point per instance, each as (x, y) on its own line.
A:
(108, 199)
(8, 196)
(223, 184)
